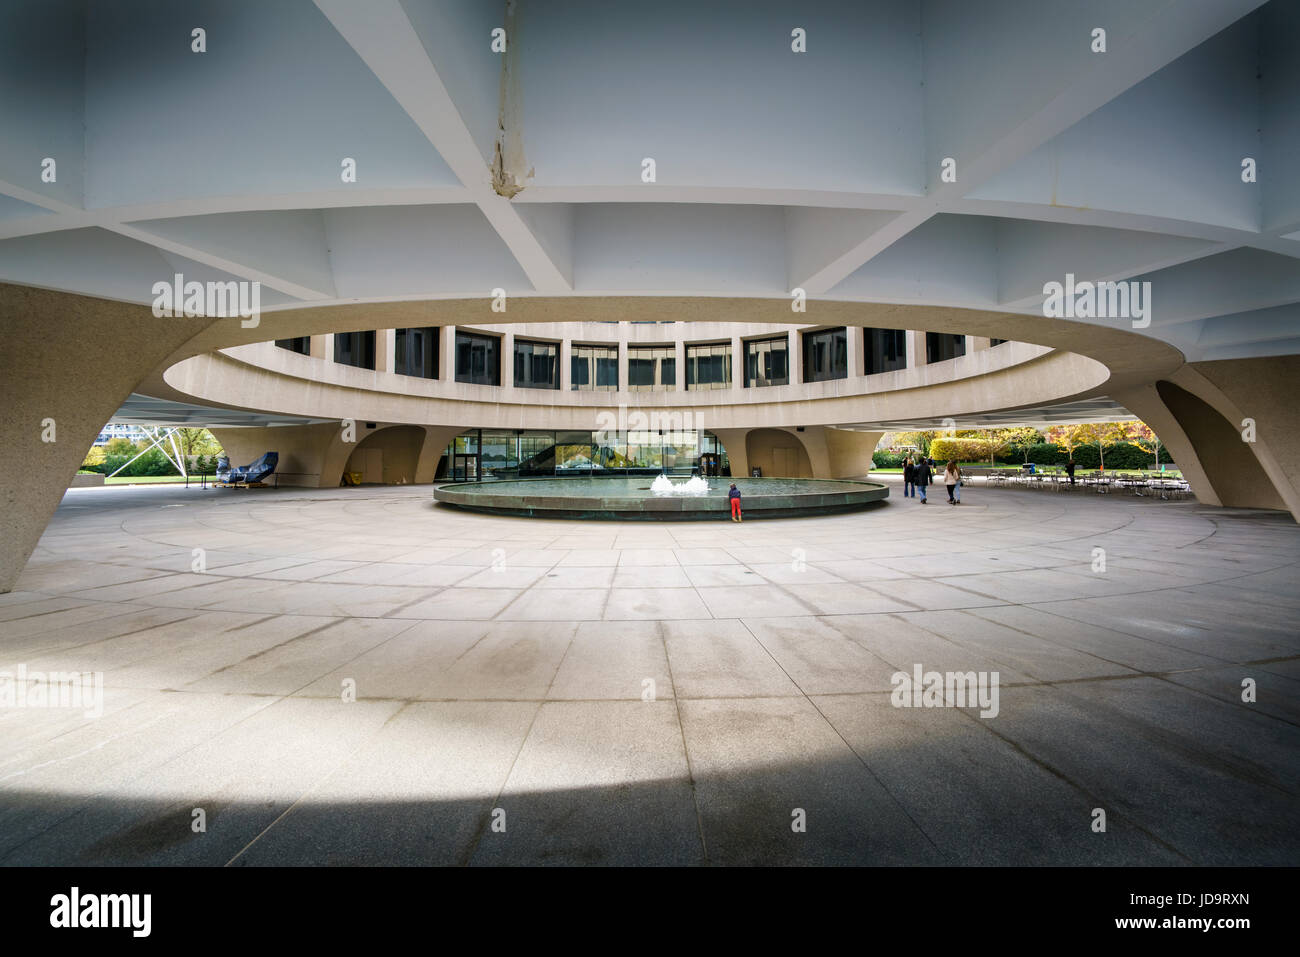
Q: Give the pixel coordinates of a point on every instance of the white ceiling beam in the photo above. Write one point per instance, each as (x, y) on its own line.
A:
(383, 36)
(1173, 30)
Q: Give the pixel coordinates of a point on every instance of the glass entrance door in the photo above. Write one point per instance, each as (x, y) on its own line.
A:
(464, 467)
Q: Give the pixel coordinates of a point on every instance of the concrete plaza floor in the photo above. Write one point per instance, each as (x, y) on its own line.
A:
(502, 668)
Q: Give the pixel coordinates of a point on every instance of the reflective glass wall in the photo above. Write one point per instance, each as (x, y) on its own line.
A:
(767, 362)
(884, 350)
(478, 359)
(940, 346)
(537, 365)
(825, 355)
(497, 454)
(651, 368)
(708, 366)
(594, 368)
(415, 352)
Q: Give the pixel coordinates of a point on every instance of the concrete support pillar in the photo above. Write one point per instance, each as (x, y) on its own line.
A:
(915, 348)
(57, 389)
(322, 347)
(447, 354)
(436, 440)
(733, 440)
(385, 350)
(680, 348)
(857, 358)
(737, 364)
(796, 357)
(622, 364)
(1230, 429)
(304, 450)
(566, 365)
(508, 360)
(977, 343)
(849, 453)
(813, 440)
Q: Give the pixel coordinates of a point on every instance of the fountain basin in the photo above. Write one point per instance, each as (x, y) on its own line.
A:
(630, 499)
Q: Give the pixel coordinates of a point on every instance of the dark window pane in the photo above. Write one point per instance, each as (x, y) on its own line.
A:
(942, 345)
(825, 355)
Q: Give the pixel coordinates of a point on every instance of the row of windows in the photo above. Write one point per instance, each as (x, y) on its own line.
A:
(650, 368)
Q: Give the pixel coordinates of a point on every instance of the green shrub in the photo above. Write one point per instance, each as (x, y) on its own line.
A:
(888, 460)
(963, 450)
(152, 462)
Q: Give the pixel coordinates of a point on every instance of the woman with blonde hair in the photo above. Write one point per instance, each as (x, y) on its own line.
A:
(952, 478)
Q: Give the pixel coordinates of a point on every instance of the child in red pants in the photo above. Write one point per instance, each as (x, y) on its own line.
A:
(734, 495)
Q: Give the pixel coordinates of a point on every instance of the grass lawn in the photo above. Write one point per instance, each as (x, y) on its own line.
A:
(150, 479)
(1169, 471)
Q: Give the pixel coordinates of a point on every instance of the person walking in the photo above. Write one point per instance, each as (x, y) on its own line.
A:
(734, 495)
(909, 474)
(921, 475)
(952, 478)
(1069, 469)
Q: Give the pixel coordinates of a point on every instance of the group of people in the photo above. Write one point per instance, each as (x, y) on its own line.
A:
(918, 475)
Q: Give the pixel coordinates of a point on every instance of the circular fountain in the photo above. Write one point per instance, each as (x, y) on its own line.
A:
(697, 499)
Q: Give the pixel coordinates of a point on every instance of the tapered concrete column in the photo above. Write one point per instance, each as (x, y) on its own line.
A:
(915, 348)
(680, 351)
(385, 350)
(849, 453)
(733, 440)
(303, 450)
(566, 365)
(436, 440)
(737, 364)
(322, 347)
(857, 359)
(813, 440)
(1230, 429)
(622, 365)
(67, 364)
(796, 356)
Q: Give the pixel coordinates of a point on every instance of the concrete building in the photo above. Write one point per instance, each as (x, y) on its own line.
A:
(388, 169)
(789, 228)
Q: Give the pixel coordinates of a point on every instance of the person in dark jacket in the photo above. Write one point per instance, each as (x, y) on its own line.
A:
(909, 474)
(922, 475)
(1069, 470)
(734, 495)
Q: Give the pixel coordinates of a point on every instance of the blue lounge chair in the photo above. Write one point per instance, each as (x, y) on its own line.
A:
(247, 474)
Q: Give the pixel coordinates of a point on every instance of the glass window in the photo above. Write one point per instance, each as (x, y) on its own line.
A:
(884, 350)
(825, 355)
(594, 368)
(505, 454)
(478, 359)
(415, 352)
(997, 342)
(708, 366)
(537, 365)
(355, 349)
(574, 452)
(651, 368)
(942, 345)
(767, 362)
(298, 344)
